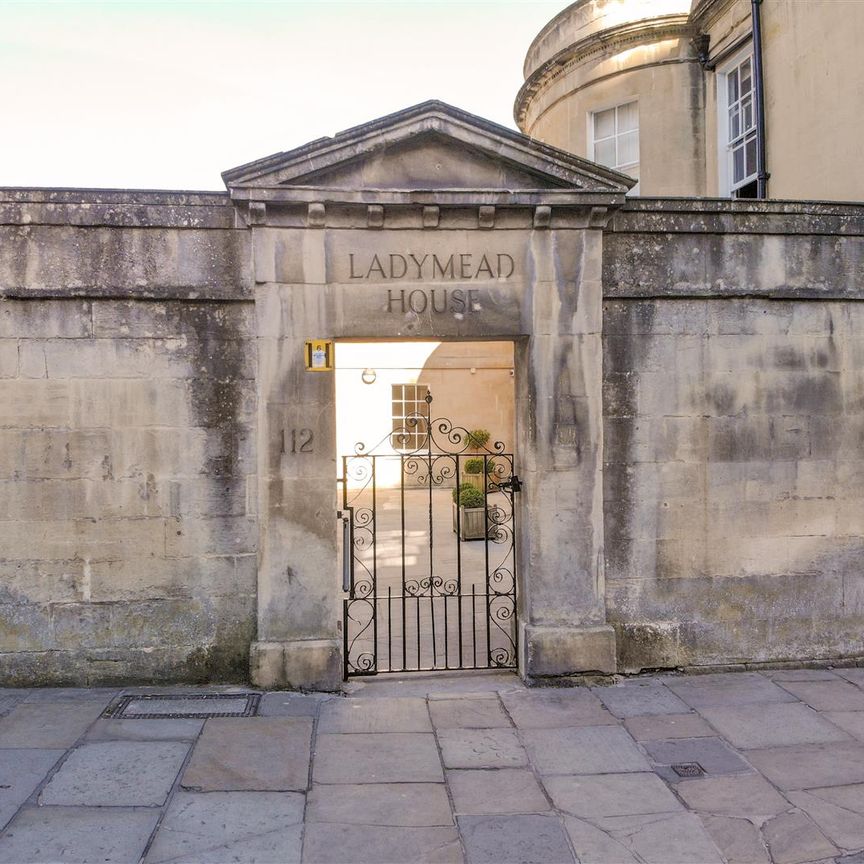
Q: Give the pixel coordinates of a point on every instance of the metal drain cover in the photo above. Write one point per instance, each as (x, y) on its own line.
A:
(689, 769)
(169, 706)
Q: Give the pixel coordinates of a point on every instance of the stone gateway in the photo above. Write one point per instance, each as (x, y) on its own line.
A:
(688, 411)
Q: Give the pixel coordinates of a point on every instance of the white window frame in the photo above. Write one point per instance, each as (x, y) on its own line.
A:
(725, 170)
(623, 168)
(410, 397)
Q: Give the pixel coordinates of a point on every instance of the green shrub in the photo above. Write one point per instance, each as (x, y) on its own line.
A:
(473, 466)
(461, 488)
(477, 438)
(471, 496)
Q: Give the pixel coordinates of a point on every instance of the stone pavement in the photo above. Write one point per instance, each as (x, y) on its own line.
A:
(472, 768)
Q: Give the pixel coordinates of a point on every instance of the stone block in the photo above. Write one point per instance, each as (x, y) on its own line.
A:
(744, 796)
(546, 707)
(712, 754)
(583, 750)
(251, 754)
(668, 726)
(74, 834)
(225, 826)
(328, 843)
(117, 774)
(496, 792)
(738, 840)
(793, 838)
(22, 772)
(8, 358)
(808, 766)
(374, 715)
(468, 713)
(47, 726)
(530, 839)
(481, 748)
(551, 652)
(389, 757)
(418, 805)
(635, 698)
(314, 664)
(594, 797)
(46, 319)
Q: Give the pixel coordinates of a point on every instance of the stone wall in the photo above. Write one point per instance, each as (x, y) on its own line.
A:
(734, 427)
(127, 449)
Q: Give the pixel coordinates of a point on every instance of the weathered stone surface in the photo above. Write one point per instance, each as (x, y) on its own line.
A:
(531, 839)
(481, 748)
(585, 750)
(809, 766)
(793, 838)
(712, 754)
(375, 715)
(230, 826)
(658, 727)
(838, 811)
(371, 844)
(391, 757)
(676, 838)
(468, 713)
(117, 774)
(738, 840)
(145, 730)
(251, 754)
(827, 695)
(593, 797)
(290, 704)
(75, 834)
(636, 698)
(745, 796)
(496, 792)
(547, 708)
(849, 721)
(22, 771)
(593, 844)
(771, 725)
(416, 805)
(707, 691)
(46, 725)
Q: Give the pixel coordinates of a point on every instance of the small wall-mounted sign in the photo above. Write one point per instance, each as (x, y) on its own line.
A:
(319, 355)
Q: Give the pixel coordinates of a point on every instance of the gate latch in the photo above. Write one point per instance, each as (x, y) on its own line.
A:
(514, 484)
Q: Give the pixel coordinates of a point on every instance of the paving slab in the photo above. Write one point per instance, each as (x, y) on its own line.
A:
(77, 835)
(186, 729)
(434, 683)
(635, 698)
(772, 724)
(838, 811)
(744, 796)
(679, 838)
(417, 805)
(531, 839)
(849, 721)
(594, 846)
(548, 707)
(589, 797)
(738, 840)
(21, 772)
(396, 757)
(7, 703)
(291, 704)
(47, 726)
(828, 695)
(485, 713)
(117, 774)
(855, 674)
(733, 688)
(230, 826)
(497, 792)
(657, 727)
(793, 838)
(481, 748)
(801, 675)
(264, 754)
(328, 843)
(103, 695)
(374, 715)
(713, 754)
(583, 750)
(810, 766)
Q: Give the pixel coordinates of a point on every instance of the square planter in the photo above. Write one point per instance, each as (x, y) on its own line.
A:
(471, 524)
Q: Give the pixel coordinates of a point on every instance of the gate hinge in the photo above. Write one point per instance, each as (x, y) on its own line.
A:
(514, 484)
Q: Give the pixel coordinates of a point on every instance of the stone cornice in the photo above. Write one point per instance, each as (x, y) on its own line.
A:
(706, 12)
(652, 30)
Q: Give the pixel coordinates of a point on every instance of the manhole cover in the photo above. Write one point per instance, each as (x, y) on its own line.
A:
(689, 769)
(172, 707)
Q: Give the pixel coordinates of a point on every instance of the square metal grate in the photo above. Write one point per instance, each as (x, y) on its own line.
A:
(689, 769)
(175, 706)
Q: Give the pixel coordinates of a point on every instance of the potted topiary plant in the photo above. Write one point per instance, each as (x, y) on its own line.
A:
(472, 473)
(469, 512)
(477, 438)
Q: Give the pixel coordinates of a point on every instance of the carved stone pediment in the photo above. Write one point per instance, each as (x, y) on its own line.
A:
(431, 146)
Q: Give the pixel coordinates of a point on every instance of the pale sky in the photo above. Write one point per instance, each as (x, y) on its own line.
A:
(166, 95)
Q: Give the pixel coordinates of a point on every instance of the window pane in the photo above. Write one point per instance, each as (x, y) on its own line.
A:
(746, 77)
(751, 155)
(628, 148)
(747, 114)
(738, 164)
(734, 124)
(604, 124)
(628, 117)
(604, 152)
(732, 84)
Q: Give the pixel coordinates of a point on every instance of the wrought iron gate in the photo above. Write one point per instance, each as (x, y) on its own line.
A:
(430, 584)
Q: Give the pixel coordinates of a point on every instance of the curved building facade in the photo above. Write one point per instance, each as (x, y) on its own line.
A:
(671, 92)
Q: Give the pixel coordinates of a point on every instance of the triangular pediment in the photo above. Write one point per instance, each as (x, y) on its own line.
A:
(429, 146)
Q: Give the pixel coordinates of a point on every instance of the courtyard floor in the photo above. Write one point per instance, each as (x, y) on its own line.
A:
(738, 767)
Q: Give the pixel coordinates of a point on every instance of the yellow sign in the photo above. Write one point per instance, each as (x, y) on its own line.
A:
(319, 355)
